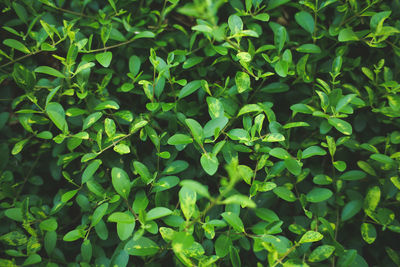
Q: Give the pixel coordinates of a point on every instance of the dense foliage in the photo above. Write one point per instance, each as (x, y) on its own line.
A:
(200, 133)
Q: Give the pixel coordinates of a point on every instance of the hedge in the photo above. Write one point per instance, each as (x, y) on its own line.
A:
(200, 133)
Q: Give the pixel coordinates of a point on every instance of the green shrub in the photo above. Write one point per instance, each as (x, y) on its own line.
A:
(200, 133)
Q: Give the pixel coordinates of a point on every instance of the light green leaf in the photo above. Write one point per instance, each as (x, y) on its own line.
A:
(16, 45)
(98, 213)
(347, 35)
(321, 253)
(235, 24)
(313, 151)
(91, 119)
(305, 20)
(311, 236)
(285, 193)
(279, 153)
(109, 104)
(196, 130)
(143, 171)
(189, 88)
(121, 182)
(318, 195)
(122, 149)
(56, 114)
(309, 48)
(187, 199)
(179, 139)
(190, 62)
(49, 71)
(233, 220)
(368, 232)
(210, 163)
(121, 217)
(104, 58)
(242, 80)
(341, 125)
(142, 246)
(196, 186)
(157, 213)
(90, 170)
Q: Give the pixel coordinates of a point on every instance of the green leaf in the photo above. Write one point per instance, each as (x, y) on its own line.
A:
(284, 194)
(382, 158)
(19, 146)
(122, 149)
(109, 104)
(16, 45)
(179, 139)
(293, 166)
(321, 253)
(134, 65)
(249, 108)
(275, 87)
(222, 245)
(56, 114)
(215, 107)
(49, 71)
(372, 198)
(91, 119)
(48, 225)
(32, 259)
(165, 183)
(309, 48)
(109, 127)
(196, 130)
(242, 80)
(353, 175)
(341, 125)
(190, 62)
(215, 125)
(311, 236)
(104, 58)
(157, 213)
(313, 151)
(143, 171)
(235, 24)
(74, 235)
(318, 195)
(121, 217)
(189, 88)
(242, 200)
(347, 35)
(234, 257)
(262, 17)
(142, 246)
(144, 34)
(196, 186)
(351, 209)
(274, 137)
(233, 220)
(368, 233)
(187, 199)
(98, 213)
(86, 250)
(210, 163)
(90, 170)
(14, 214)
(275, 3)
(279, 153)
(121, 182)
(305, 20)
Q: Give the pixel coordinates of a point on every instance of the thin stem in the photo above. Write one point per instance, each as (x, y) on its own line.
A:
(20, 58)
